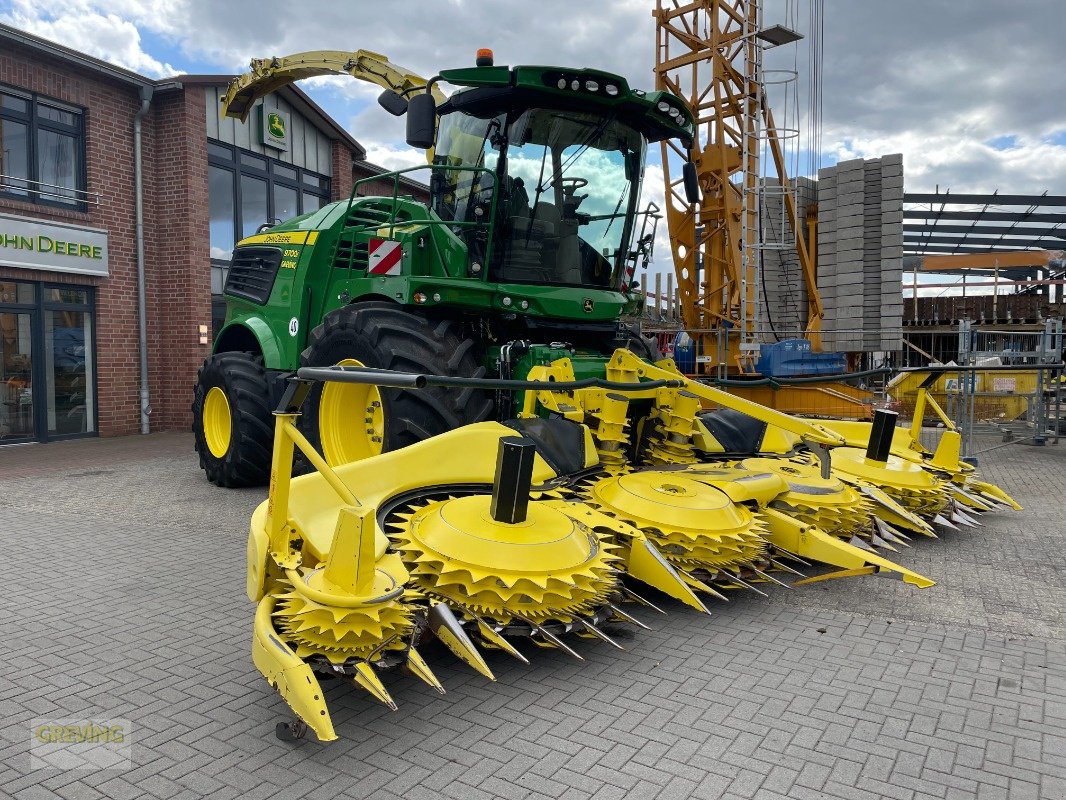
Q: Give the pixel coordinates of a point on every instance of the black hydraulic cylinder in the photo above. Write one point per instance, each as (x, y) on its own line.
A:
(514, 476)
(881, 435)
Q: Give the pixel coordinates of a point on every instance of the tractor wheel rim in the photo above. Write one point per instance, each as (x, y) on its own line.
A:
(351, 420)
(218, 422)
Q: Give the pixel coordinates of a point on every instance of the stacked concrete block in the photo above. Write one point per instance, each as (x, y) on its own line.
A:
(871, 253)
(891, 252)
(841, 281)
(827, 251)
(860, 247)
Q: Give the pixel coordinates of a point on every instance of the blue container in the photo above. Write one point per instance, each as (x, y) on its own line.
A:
(686, 349)
(793, 358)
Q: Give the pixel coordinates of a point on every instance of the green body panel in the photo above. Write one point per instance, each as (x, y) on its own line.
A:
(435, 264)
(539, 356)
(324, 261)
(271, 344)
(533, 78)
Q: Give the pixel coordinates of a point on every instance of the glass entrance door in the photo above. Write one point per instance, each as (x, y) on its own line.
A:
(16, 376)
(68, 370)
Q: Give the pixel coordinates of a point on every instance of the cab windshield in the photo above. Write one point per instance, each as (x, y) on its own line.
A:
(568, 185)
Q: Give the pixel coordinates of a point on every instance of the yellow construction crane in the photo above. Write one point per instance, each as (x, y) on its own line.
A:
(708, 52)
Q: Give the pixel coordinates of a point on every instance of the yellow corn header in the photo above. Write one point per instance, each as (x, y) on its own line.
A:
(542, 531)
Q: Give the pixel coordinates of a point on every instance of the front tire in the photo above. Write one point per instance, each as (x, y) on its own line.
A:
(232, 421)
(348, 422)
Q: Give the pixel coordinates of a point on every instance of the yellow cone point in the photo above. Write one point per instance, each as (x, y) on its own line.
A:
(648, 565)
(447, 629)
(420, 669)
(994, 491)
(369, 680)
(292, 677)
(812, 543)
(489, 634)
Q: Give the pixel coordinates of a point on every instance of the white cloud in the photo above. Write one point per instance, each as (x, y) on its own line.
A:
(932, 80)
(390, 157)
(964, 164)
(106, 36)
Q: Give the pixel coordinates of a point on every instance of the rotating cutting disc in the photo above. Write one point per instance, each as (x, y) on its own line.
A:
(826, 503)
(550, 566)
(353, 630)
(906, 482)
(696, 526)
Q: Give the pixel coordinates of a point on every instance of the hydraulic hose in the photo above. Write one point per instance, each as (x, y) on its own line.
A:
(403, 380)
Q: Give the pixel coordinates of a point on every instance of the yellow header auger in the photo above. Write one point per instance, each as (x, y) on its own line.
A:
(550, 527)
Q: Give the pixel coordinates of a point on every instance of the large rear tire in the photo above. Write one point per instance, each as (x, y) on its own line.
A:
(348, 422)
(232, 421)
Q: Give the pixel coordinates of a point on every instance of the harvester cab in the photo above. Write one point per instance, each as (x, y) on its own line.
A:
(522, 249)
(545, 167)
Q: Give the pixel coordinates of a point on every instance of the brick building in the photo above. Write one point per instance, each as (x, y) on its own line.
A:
(70, 297)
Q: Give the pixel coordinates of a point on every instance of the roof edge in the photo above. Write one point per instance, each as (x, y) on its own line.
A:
(33, 42)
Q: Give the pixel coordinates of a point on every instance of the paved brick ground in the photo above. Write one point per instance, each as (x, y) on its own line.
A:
(125, 581)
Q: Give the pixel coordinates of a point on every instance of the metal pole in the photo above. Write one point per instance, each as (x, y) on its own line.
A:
(964, 388)
(995, 293)
(914, 317)
(971, 388)
(1057, 376)
(1040, 424)
(142, 312)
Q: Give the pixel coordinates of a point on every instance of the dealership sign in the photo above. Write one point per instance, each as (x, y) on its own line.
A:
(273, 128)
(52, 246)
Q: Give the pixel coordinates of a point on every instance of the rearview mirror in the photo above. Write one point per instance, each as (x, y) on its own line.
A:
(421, 121)
(692, 182)
(393, 103)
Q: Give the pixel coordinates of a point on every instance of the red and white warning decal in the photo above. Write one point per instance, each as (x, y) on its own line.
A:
(385, 256)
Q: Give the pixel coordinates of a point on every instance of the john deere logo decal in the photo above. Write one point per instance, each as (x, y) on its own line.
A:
(273, 128)
(588, 305)
(276, 125)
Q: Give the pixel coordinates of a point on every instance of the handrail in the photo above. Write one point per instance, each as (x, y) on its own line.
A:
(79, 195)
(395, 176)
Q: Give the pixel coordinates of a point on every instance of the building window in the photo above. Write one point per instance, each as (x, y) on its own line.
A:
(42, 150)
(47, 364)
(245, 191)
(221, 195)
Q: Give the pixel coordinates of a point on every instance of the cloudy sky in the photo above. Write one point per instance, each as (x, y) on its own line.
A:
(972, 95)
(971, 92)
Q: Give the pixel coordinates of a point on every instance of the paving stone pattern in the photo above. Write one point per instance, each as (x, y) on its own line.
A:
(125, 594)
